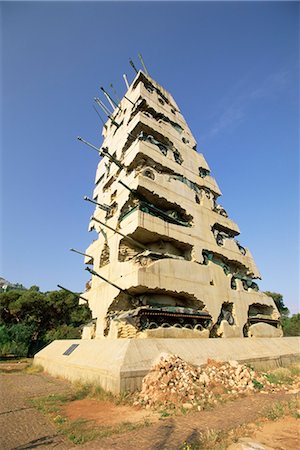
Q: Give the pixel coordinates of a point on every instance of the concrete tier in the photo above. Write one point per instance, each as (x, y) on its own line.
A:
(120, 365)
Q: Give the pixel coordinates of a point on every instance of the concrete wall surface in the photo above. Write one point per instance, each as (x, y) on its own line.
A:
(119, 365)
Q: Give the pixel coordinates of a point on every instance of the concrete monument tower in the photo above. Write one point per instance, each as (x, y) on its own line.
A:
(167, 262)
(167, 271)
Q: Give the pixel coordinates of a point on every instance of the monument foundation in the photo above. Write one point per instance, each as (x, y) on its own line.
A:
(119, 365)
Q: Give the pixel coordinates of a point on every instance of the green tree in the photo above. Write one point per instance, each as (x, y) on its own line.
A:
(291, 325)
(62, 332)
(15, 339)
(31, 319)
(278, 299)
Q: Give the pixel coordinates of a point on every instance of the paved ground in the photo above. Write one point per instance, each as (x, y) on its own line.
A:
(22, 426)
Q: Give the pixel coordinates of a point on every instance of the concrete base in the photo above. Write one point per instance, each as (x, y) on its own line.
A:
(119, 365)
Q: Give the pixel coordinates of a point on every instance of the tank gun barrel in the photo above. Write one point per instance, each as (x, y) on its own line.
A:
(102, 151)
(106, 111)
(133, 66)
(106, 280)
(80, 253)
(71, 292)
(143, 64)
(126, 81)
(136, 243)
(110, 99)
(104, 207)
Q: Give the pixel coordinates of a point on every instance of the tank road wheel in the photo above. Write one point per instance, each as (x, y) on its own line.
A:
(144, 322)
(152, 325)
(198, 327)
(177, 325)
(188, 326)
(165, 325)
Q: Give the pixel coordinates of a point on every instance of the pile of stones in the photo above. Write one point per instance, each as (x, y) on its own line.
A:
(173, 383)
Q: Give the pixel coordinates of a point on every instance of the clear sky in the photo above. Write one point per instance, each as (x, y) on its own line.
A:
(232, 67)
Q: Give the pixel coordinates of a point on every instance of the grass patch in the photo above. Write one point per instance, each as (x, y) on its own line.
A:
(281, 375)
(32, 369)
(164, 413)
(295, 370)
(257, 384)
(52, 403)
(81, 431)
(96, 392)
(208, 440)
(281, 409)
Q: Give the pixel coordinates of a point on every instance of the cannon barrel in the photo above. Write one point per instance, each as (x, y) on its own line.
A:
(105, 279)
(104, 207)
(143, 64)
(138, 244)
(80, 253)
(103, 152)
(133, 66)
(109, 98)
(71, 292)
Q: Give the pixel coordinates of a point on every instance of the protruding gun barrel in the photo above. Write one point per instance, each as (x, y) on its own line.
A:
(80, 253)
(106, 111)
(136, 243)
(110, 99)
(103, 152)
(105, 279)
(71, 292)
(104, 207)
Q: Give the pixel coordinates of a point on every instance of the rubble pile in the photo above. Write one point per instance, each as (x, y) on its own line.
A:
(172, 383)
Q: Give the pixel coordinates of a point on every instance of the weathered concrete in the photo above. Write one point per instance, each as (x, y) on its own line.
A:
(119, 365)
(177, 247)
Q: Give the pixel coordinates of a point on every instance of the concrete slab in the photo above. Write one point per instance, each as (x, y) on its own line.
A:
(119, 365)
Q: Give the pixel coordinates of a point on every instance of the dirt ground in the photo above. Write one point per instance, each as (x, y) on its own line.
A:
(24, 427)
(106, 413)
(281, 434)
(171, 433)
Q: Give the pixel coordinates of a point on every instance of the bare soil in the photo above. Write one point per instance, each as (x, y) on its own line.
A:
(106, 413)
(170, 433)
(281, 434)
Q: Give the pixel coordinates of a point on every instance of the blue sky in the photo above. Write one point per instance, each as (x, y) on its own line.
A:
(232, 67)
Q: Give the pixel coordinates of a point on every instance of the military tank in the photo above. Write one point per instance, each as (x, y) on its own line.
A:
(134, 322)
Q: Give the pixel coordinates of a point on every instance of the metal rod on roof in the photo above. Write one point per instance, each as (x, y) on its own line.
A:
(101, 206)
(143, 64)
(126, 81)
(71, 292)
(132, 65)
(80, 253)
(138, 244)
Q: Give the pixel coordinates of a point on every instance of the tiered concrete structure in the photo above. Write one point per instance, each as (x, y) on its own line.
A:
(174, 253)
